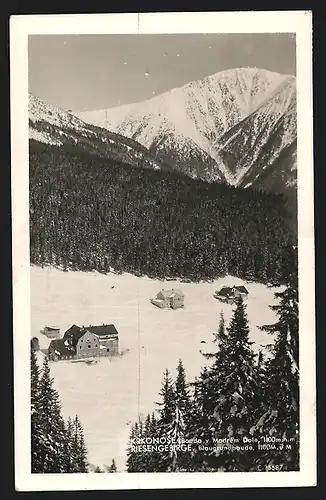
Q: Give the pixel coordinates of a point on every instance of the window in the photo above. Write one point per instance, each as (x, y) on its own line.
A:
(81, 340)
(89, 346)
(80, 347)
(95, 345)
(108, 350)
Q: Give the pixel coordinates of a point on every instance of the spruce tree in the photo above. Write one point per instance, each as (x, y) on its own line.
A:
(182, 395)
(81, 461)
(221, 334)
(144, 459)
(98, 470)
(53, 447)
(135, 462)
(178, 460)
(167, 413)
(204, 400)
(150, 460)
(113, 467)
(199, 430)
(280, 416)
(228, 394)
(153, 432)
(167, 405)
(237, 388)
(69, 455)
(287, 326)
(36, 431)
(181, 422)
(219, 338)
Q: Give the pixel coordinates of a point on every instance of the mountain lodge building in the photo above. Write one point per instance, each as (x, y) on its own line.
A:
(84, 342)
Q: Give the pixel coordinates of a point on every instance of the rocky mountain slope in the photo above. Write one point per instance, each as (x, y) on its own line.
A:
(234, 126)
(51, 125)
(262, 146)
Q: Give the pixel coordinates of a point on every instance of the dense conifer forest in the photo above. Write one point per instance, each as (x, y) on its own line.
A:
(89, 213)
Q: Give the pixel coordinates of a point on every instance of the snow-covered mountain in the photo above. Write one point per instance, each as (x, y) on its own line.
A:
(200, 128)
(52, 125)
(260, 150)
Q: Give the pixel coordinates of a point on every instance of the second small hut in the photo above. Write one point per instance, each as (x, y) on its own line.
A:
(173, 299)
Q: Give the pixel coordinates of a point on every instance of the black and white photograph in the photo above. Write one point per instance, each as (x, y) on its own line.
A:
(159, 229)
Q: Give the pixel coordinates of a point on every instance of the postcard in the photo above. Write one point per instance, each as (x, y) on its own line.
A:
(163, 250)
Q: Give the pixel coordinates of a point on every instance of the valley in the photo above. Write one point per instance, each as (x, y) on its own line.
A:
(118, 389)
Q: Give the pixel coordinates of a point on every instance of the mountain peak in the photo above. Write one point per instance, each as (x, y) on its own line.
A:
(183, 126)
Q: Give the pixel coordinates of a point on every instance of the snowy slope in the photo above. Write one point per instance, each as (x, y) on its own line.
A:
(109, 395)
(52, 125)
(194, 117)
(260, 141)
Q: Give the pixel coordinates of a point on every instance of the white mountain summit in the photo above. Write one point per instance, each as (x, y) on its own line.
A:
(200, 128)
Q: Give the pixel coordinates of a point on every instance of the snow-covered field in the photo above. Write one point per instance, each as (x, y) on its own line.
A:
(108, 396)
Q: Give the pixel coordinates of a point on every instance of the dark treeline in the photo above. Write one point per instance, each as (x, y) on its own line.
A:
(240, 399)
(88, 213)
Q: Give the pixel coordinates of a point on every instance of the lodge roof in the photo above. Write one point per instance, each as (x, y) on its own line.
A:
(73, 330)
(165, 294)
(102, 330)
(228, 291)
(241, 289)
(225, 291)
(74, 333)
(62, 347)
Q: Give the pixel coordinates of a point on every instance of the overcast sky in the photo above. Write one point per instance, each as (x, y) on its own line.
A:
(84, 72)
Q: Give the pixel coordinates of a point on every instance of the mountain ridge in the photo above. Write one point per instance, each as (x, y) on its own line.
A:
(52, 125)
(195, 117)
